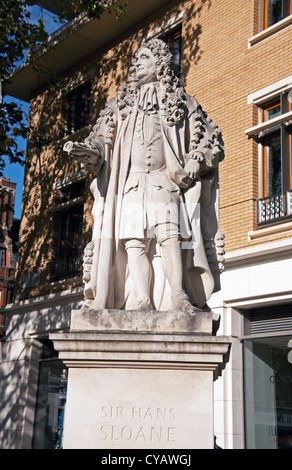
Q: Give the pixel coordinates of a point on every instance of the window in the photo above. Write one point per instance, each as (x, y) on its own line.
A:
(276, 162)
(268, 393)
(271, 155)
(268, 378)
(51, 400)
(275, 15)
(173, 39)
(78, 108)
(274, 11)
(171, 33)
(273, 134)
(2, 256)
(68, 221)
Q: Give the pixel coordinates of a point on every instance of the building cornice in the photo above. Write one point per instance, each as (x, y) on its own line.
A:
(263, 253)
(74, 42)
(37, 303)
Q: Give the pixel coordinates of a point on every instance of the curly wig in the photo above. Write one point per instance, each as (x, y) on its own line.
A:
(173, 97)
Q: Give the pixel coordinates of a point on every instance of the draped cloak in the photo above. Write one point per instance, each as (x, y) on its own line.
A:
(109, 284)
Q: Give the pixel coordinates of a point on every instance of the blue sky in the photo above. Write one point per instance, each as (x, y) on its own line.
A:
(14, 171)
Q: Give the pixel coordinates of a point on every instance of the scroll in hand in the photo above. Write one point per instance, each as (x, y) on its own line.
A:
(86, 154)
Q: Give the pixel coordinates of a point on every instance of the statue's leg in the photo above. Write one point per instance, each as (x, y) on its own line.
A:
(172, 263)
(140, 272)
(170, 246)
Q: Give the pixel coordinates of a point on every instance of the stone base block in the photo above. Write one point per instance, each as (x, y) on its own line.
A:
(138, 408)
(142, 380)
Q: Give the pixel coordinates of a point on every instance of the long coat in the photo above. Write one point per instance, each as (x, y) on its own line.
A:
(107, 283)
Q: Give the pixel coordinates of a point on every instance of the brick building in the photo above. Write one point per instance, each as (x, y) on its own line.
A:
(9, 228)
(8, 242)
(235, 60)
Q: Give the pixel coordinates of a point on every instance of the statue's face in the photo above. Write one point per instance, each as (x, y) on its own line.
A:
(146, 70)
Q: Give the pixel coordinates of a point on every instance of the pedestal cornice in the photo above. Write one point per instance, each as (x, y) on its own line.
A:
(144, 340)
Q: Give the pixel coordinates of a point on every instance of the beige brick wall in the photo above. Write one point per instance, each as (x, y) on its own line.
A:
(224, 74)
(219, 71)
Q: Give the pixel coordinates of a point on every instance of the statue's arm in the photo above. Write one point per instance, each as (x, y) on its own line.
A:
(205, 146)
(92, 152)
(205, 151)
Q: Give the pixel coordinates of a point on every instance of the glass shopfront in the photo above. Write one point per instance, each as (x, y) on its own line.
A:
(268, 392)
(51, 400)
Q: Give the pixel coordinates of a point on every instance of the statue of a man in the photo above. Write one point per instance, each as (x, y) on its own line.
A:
(155, 156)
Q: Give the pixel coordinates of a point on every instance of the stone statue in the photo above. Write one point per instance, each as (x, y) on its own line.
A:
(155, 155)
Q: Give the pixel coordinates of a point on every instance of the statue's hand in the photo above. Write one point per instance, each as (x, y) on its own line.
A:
(82, 152)
(192, 168)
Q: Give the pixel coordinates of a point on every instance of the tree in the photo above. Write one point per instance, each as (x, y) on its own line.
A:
(23, 40)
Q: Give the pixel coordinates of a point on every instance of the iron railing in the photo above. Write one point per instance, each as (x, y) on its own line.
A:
(274, 208)
(65, 267)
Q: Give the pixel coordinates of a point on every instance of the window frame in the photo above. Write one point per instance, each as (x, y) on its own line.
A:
(286, 11)
(274, 208)
(3, 256)
(65, 205)
(266, 32)
(267, 324)
(264, 154)
(167, 28)
(50, 400)
(265, 127)
(79, 97)
(278, 203)
(169, 37)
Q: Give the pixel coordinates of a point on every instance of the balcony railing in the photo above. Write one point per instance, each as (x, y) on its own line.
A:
(274, 208)
(66, 267)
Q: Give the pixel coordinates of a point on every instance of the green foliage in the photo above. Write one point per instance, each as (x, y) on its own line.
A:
(12, 126)
(91, 9)
(17, 36)
(22, 40)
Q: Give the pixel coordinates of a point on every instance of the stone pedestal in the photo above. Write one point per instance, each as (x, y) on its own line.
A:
(140, 380)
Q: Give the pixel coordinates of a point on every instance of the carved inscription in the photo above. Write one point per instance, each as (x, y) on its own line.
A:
(138, 424)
